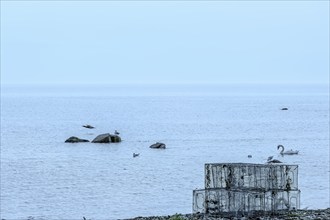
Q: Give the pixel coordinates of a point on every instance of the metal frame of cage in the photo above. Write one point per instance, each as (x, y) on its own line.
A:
(245, 189)
(251, 176)
(244, 203)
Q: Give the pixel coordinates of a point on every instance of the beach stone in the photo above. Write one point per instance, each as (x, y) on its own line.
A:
(107, 138)
(75, 140)
(158, 146)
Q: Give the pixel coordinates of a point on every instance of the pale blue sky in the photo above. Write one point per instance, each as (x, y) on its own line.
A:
(164, 42)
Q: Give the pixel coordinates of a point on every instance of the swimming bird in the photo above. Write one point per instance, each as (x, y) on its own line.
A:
(135, 155)
(116, 132)
(88, 126)
(289, 152)
(249, 156)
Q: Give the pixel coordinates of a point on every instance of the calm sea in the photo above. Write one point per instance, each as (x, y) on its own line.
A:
(44, 178)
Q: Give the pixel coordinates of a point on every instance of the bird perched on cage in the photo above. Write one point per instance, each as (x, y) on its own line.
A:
(271, 160)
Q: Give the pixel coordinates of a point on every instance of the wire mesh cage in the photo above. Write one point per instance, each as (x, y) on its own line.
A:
(244, 189)
(244, 203)
(251, 176)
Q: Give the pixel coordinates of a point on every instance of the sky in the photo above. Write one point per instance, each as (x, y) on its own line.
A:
(113, 42)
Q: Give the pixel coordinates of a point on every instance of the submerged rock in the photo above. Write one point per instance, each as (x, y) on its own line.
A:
(107, 138)
(75, 140)
(158, 146)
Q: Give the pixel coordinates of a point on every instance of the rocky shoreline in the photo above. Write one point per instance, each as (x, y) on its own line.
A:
(320, 214)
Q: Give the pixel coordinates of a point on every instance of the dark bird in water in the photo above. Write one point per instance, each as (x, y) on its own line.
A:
(116, 132)
(249, 156)
(288, 152)
(88, 126)
(135, 155)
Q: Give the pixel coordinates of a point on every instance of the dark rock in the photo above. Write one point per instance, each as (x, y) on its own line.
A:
(107, 138)
(284, 109)
(115, 138)
(158, 146)
(102, 138)
(75, 140)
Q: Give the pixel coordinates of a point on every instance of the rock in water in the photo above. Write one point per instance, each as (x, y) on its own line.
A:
(102, 138)
(75, 140)
(158, 146)
(107, 138)
(115, 138)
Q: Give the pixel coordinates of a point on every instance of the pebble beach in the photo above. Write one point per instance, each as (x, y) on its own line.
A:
(320, 214)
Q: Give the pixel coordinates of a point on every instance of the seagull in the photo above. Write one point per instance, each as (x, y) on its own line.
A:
(135, 155)
(116, 132)
(88, 126)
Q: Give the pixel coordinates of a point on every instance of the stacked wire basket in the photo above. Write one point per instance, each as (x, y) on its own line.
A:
(243, 189)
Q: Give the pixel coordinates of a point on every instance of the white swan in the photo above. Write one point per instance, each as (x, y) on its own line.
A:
(289, 152)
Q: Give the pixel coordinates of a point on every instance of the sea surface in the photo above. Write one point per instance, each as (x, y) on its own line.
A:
(44, 178)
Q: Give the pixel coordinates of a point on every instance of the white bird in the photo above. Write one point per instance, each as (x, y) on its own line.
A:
(135, 155)
(289, 152)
